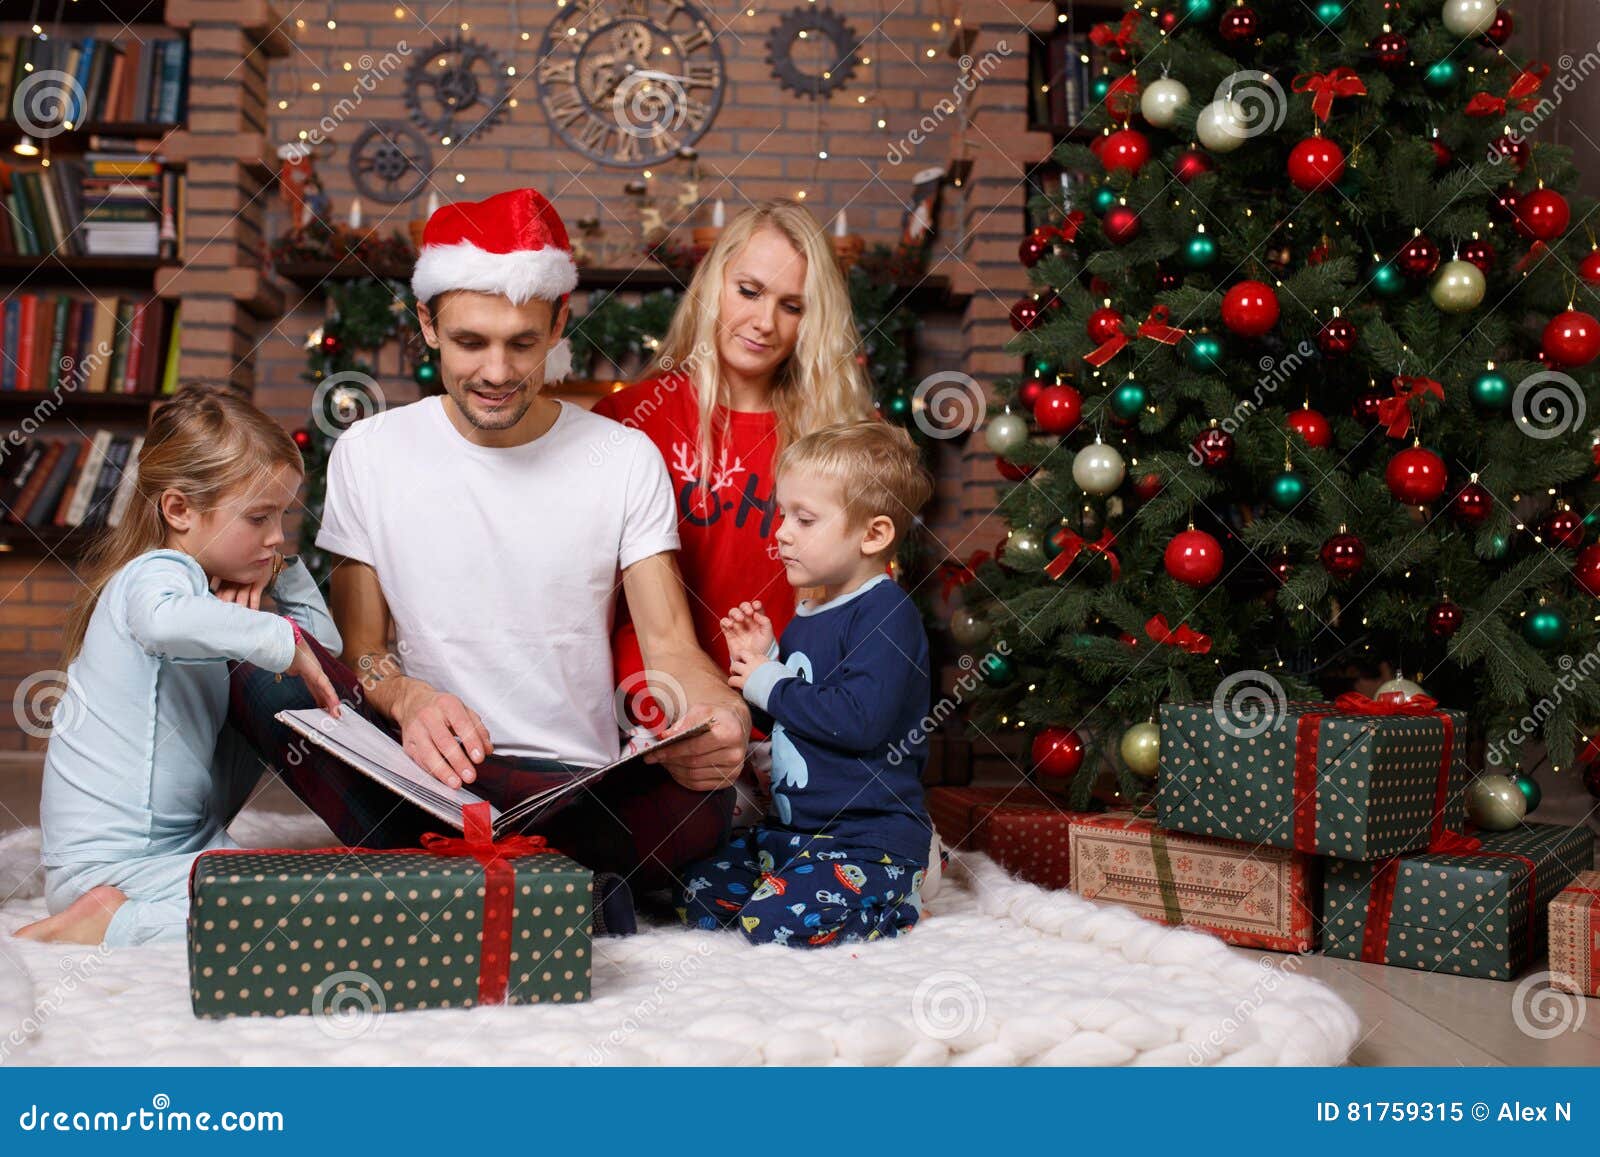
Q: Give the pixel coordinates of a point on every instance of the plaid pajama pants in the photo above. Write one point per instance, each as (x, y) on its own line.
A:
(642, 825)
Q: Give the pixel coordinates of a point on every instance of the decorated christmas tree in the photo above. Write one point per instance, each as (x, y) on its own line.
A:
(1307, 368)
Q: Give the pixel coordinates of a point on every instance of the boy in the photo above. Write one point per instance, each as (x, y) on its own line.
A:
(843, 854)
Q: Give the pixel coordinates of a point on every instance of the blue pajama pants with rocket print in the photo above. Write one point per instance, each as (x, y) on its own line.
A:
(801, 890)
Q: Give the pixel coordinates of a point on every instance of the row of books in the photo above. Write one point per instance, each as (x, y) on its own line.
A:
(1061, 69)
(99, 80)
(108, 202)
(98, 344)
(68, 482)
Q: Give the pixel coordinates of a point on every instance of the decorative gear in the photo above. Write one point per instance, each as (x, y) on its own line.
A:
(457, 89)
(813, 22)
(390, 162)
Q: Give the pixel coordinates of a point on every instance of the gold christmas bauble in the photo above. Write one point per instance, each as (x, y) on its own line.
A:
(1495, 803)
(1141, 749)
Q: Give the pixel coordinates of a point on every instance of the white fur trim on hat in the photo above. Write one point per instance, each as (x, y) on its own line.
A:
(558, 361)
(523, 275)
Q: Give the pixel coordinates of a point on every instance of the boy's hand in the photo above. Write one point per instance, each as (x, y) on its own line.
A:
(739, 668)
(748, 632)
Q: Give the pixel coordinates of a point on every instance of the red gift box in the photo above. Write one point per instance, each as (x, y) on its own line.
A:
(1575, 936)
(1249, 895)
(955, 810)
(1029, 840)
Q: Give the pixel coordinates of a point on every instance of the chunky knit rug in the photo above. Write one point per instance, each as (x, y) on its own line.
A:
(999, 973)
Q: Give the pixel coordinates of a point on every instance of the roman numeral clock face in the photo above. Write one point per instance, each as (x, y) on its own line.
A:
(630, 82)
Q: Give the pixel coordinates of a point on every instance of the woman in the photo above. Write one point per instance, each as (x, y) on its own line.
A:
(761, 352)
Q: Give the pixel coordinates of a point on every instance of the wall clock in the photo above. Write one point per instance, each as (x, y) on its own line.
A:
(630, 82)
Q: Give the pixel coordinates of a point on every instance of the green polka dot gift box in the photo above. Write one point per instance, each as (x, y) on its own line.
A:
(351, 931)
(1480, 912)
(1359, 778)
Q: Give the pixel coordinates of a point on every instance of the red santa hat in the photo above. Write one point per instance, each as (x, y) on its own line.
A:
(513, 244)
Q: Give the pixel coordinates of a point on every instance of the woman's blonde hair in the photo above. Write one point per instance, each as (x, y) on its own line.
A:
(203, 442)
(821, 383)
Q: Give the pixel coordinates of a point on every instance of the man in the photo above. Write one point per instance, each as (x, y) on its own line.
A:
(481, 528)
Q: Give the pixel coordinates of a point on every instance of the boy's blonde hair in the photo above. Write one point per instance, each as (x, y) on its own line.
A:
(876, 464)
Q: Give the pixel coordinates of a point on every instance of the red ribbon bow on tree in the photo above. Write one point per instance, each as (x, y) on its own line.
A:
(1395, 412)
(1075, 544)
(1183, 635)
(954, 575)
(1103, 35)
(1068, 229)
(1388, 703)
(1528, 82)
(1324, 86)
(1154, 327)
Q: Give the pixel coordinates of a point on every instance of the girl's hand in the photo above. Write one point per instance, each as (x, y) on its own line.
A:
(748, 632)
(306, 666)
(247, 594)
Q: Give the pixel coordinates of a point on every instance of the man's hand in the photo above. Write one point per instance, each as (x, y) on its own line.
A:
(440, 733)
(710, 761)
(748, 632)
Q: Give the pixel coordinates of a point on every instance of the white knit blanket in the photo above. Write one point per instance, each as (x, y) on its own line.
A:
(998, 973)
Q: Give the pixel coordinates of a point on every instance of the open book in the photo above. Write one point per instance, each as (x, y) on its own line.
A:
(371, 751)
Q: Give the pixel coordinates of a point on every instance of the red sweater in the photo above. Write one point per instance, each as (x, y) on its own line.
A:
(726, 524)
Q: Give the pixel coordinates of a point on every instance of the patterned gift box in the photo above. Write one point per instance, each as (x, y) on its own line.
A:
(955, 810)
(1329, 779)
(1466, 913)
(1256, 897)
(458, 923)
(1029, 841)
(1575, 936)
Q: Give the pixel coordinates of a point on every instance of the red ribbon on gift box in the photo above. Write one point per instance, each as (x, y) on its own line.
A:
(499, 882)
(1395, 412)
(1325, 86)
(1522, 89)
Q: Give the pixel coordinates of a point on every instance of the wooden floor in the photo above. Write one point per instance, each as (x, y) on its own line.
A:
(1407, 1017)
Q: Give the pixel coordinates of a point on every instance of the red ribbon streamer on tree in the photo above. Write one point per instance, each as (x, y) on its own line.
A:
(1183, 635)
(1075, 545)
(954, 575)
(1068, 229)
(1102, 35)
(1325, 86)
(1528, 82)
(1154, 327)
(499, 882)
(1395, 412)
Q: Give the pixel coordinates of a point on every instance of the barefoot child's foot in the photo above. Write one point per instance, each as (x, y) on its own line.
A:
(84, 921)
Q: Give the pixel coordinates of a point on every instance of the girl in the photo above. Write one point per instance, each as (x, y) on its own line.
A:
(140, 776)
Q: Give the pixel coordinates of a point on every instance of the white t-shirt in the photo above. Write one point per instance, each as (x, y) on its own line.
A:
(501, 566)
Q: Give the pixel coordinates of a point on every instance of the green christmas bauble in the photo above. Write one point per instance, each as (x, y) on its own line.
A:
(1530, 790)
(1203, 352)
(1287, 490)
(1490, 390)
(1330, 14)
(1099, 88)
(1199, 10)
(1040, 367)
(1200, 251)
(899, 407)
(1103, 201)
(997, 670)
(1386, 279)
(1442, 75)
(1545, 627)
(1499, 547)
(426, 373)
(1128, 399)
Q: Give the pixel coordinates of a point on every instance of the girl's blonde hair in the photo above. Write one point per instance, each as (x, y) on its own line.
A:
(203, 442)
(821, 383)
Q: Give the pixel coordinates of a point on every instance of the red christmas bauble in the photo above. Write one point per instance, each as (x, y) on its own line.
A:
(1315, 163)
(1365, 408)
(1028, 393)
(1442, 156)
(1543, 215)
(1122, 96)
(1194, 558)
(1444, 620)
(1586, 569)
(302, 438)
(1121, 225)
(1010, 470)
(1167, 279)
(1505, 204)
(330, 342)
(1214, 445)
(1125, 150)
(1104, 324)
(1418, 258)
(1057, 752)
(1147, 486)
(1571, 339)
(1502, 28)
(1591, 779)
(1030, 251)
(1169, 20)
(1479, 253)
(1250, 308)
(1589, 267)
(1058, 409)
(1337, 338)
(1513, 149)
(1097, 143)
(1312, 427)
(1391, 50)
(1238, 25)
(1281, 567)
(1099, 286)
(1343, 555)
(1416, 476)
(1564, 528)
(1190, 165)
(1472, 504)
(1024, 313)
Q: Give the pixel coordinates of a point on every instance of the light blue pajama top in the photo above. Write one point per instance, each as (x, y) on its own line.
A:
(136, 782)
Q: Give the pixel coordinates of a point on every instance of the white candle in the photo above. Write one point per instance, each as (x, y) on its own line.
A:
(839, 229)
(718, 214)
(433, 203)
(355, 213)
